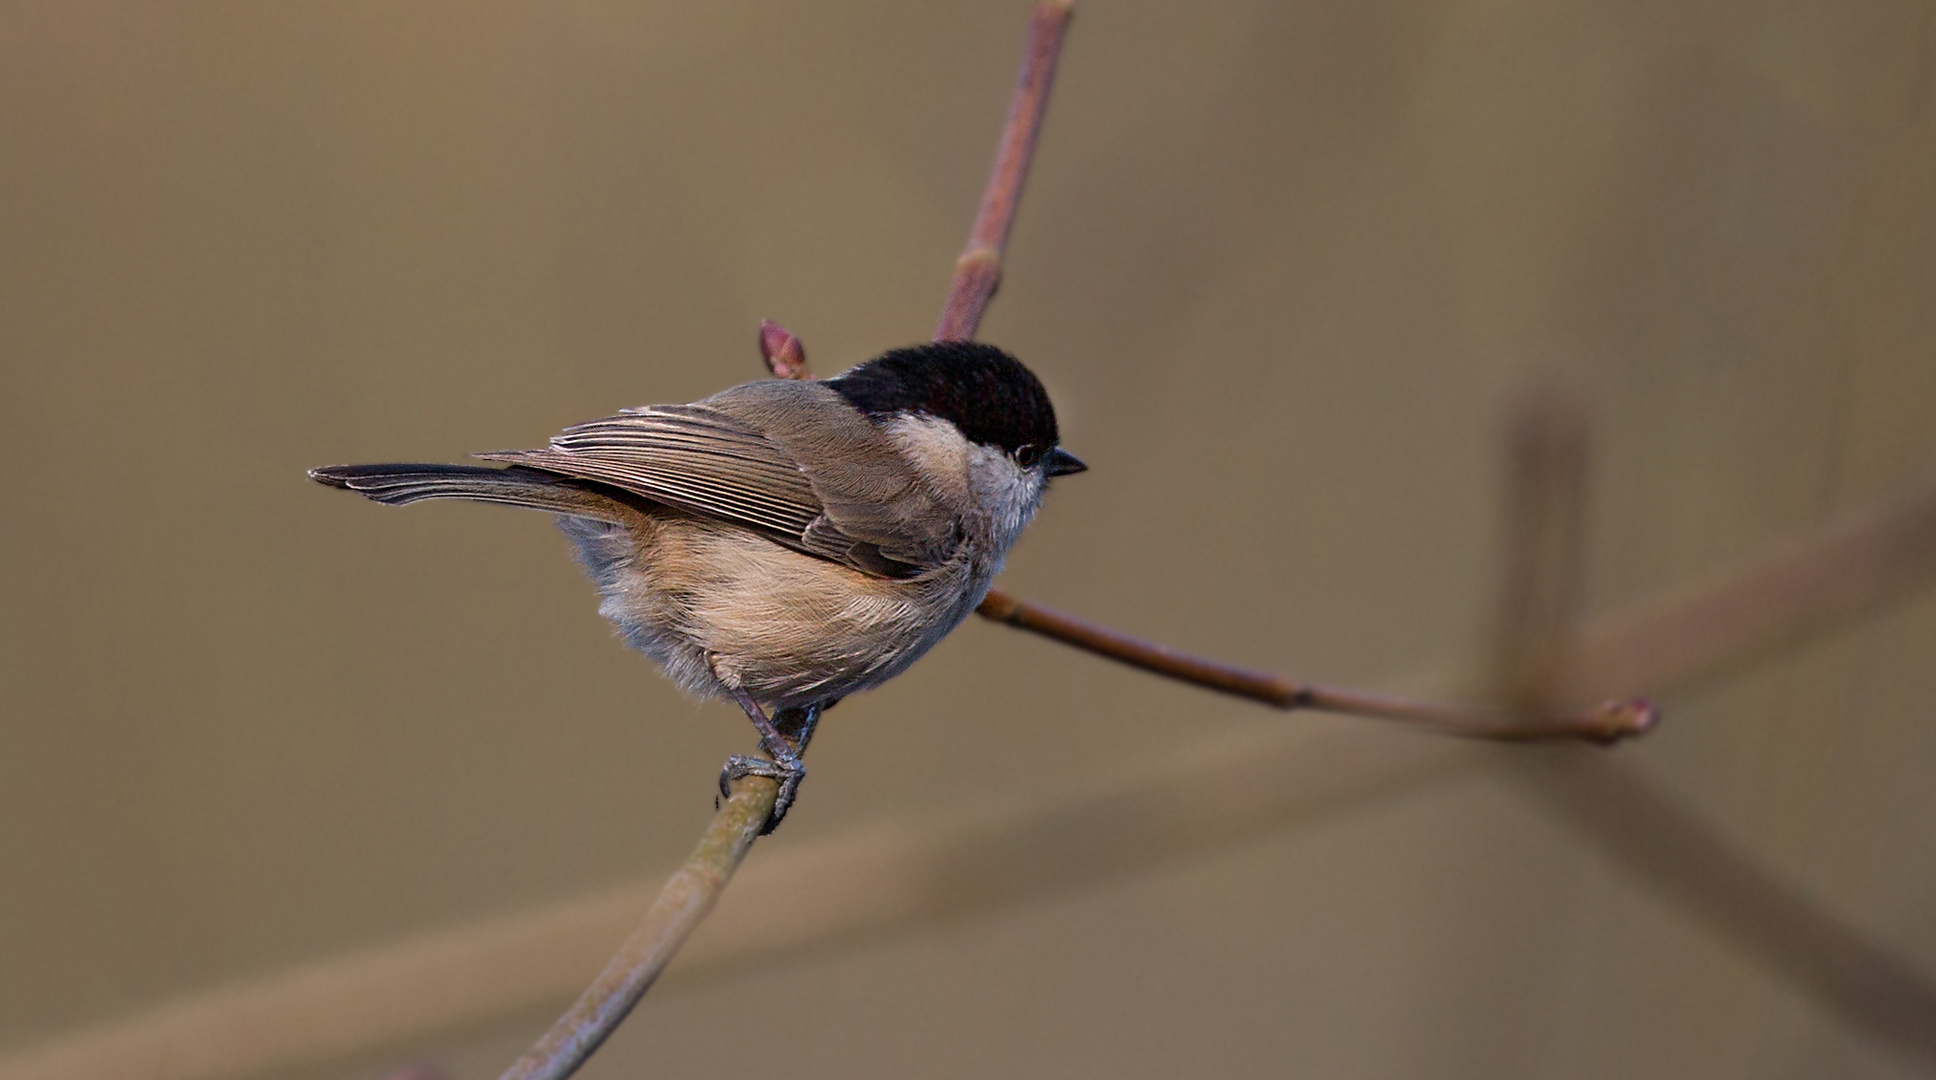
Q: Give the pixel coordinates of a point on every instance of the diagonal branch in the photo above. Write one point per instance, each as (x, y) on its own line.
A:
(978, 272)
(1671, 849)
(1608, 722)
(684, 902)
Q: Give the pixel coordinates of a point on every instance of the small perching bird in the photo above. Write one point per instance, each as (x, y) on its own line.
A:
(786, 543)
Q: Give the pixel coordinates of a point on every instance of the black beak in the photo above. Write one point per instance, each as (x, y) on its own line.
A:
(1060, 462)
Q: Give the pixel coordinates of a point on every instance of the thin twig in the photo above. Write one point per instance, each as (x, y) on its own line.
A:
(1609, 722)
(978, 272)
(686, 899)
(1543, 545)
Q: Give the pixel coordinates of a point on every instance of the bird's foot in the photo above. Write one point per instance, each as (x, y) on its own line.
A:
(787, 770)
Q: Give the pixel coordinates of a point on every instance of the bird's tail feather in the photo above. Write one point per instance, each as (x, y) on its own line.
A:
(397, 485)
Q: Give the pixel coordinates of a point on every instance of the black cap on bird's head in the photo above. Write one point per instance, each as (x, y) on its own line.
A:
(985, 393)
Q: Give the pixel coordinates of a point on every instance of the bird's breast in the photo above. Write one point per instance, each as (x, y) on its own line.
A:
(789, 628)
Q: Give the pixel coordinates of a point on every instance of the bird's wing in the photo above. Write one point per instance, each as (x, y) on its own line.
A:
(789, 460)
(687, 456)
(878, 513)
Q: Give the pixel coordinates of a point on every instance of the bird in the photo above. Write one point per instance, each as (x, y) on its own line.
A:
(785, 543)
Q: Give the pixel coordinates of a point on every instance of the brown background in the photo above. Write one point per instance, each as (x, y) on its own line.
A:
(1280, 264)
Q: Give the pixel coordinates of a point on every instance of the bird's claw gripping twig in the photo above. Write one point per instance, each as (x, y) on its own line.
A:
(787, 771)
(782, 761)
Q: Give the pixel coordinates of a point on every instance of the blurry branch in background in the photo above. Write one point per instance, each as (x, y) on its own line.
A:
(1665, 845)
(1812, 581)
(899, 875)
(1669, 848)
(1543, 547)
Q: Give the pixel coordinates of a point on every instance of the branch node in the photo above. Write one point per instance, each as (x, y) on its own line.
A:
(976, 258)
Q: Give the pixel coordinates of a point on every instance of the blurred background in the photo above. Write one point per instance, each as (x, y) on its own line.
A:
(1282, 266)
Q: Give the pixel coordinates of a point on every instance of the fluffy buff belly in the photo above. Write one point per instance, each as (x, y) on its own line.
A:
(719, 607)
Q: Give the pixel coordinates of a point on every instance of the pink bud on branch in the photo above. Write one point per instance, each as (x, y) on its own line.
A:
(785, 357)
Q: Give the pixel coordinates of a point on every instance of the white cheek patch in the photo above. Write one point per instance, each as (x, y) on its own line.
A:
(997, 495)
(937, 449)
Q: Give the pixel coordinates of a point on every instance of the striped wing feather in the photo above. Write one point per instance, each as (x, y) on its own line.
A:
(687, 456)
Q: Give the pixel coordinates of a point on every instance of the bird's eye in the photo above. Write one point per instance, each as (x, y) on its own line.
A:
(1027, 456)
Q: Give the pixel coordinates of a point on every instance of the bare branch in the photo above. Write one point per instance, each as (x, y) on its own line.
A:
(1608, 722)
(978, 273)
(686, 899)
(1671, 850)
